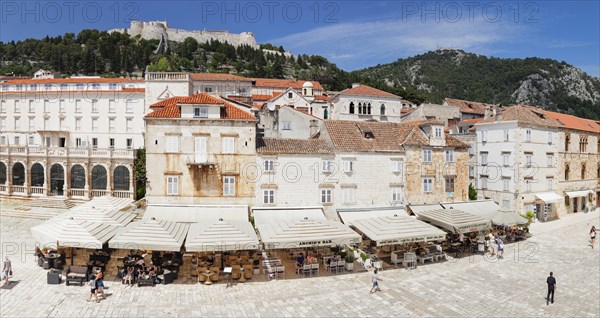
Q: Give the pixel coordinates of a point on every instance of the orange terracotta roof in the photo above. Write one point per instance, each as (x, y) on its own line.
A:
(167, 102)
(522, 113)
(284, 83)
(44, 92)
(218, 77)
(321, 98)
(263, 97)
(572, 122)
(292, 146)
(470, 121)
(171, 108)
(364, 90)
(73, 80)
(467, 106)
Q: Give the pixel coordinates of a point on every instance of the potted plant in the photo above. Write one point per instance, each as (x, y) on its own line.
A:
(256, 267)
(349, 262)
(45, 250)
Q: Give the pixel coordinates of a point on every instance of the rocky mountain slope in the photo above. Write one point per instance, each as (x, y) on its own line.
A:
(443, 73)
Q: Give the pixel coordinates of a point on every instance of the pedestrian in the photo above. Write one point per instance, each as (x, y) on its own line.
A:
(100, 283)
(93, 290)
(593, 236)
(551, 281)
(375, 283)
(7, 269)
(500, 247)
(492, 244)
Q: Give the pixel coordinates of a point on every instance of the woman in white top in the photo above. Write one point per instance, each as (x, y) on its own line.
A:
(593, 236)
(492, 244)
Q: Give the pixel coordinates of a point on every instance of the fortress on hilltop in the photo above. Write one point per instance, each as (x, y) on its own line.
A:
(160, 30)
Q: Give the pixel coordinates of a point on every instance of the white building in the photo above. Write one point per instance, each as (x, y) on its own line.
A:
(73, 137)
(362, 102)
(518, 161)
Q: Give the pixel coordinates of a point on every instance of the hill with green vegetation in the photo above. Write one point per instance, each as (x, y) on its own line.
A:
(546, 83)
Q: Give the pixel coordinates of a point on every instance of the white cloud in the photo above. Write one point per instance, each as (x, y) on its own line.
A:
(361, 44)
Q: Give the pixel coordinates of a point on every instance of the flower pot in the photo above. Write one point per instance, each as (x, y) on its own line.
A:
(350, 266)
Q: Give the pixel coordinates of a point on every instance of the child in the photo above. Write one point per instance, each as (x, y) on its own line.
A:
(375, 283)
(92, 284)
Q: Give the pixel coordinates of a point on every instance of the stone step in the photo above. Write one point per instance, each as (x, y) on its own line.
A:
(23, 212)
(55, 203)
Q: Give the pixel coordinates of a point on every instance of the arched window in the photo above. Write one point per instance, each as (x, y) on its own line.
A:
(18, 174)
(360, 108)
(77, 177)
(121, 178)
(37, 175)
(99, 178)
(382, 110)
(369, 109)
(2, 173)
(351, 111)
(57, 179)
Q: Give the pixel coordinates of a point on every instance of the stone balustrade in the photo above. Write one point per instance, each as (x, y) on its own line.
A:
(104, 153)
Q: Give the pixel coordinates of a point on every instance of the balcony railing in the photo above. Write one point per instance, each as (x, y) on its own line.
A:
(100, 193)
(14, 150)
(78, 193)
(167, 76)
(123, 194)
(37, 190)
(2, 188)
(18, 189)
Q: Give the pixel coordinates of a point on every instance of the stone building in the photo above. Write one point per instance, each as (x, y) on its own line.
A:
(362, 102)
(200, 150)
(286, 122)
(449, 115)
(72, 138)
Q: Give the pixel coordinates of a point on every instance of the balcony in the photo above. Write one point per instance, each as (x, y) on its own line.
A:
(167, 76)
(63, 152)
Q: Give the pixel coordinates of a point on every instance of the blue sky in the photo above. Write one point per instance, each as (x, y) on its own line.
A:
(352, 34)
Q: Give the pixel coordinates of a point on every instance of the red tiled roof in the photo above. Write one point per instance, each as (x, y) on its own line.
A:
(171, 108)
(45, 92)
(522, 113)
(259, 97)
(572, 122)
(321, 98)
(467, 106)
(364, 90)
(167, 102)
(470, 121)
(292, 146)
(284, 83)
(73, 80)
(218, 77)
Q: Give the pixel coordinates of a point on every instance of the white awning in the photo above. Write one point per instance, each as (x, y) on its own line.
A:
(424, 207)
(575, 194)
(74, 233)
(196, 213)
(97, 214)
(282, 228)
(151, 234)
(349, 216)
(221, 235)
(548, 197)
(454, 220)
(486, 209)
(107, 203)
(388, 230)
(508, 218)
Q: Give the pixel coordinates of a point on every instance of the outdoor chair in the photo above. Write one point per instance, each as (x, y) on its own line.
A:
(76, 274)
(53, 277)
(332, 266)
(306, 269)
(314, 268)
(236, 274)
(215, 276)
(341, 265)
(271, 271)
(201, 278)
(368, 264)
(378, 265)
(280, 271)
(410, 261)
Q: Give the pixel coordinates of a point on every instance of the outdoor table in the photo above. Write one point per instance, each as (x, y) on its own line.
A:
(227, 271)
(207, 274)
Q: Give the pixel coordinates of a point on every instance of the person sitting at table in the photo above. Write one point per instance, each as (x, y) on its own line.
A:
(140, 263)
(210, 259)
(129, 276)
(300, 260)
(420, 251)
(310, 259)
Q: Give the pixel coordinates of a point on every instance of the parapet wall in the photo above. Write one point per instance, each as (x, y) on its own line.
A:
(158, 29)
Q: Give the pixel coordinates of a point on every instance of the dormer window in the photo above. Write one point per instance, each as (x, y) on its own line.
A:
(291, 95)
(438, 132)
(200, 112)
(369, 135)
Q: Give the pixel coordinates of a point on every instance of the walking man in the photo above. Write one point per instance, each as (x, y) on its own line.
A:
(375, 283)
(551, 286)
(6, 269)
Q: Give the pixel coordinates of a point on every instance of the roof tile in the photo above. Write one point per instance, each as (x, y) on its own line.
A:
(292, 146)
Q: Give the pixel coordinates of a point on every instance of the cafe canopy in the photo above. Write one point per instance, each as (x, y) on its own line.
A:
(151, 234)
(348, 216)
(397, 229)
(221, 235)
(106, 202)
(486, 209)
(282, 228)
(191, 213)
(70, 232)
(508, 218)
(454, 220)
(548, 197)
(98, 214)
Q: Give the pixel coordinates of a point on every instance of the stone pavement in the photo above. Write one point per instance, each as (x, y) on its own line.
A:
(514, 286)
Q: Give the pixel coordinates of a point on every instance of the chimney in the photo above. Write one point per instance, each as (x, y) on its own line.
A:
(355, 85)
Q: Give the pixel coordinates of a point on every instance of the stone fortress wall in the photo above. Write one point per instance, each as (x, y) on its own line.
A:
(158, 29)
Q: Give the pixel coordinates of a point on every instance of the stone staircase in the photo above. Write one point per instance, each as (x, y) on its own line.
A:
(53, 203)
(30, 213)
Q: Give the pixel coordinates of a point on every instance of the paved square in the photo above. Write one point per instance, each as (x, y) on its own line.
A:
(514, 286)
